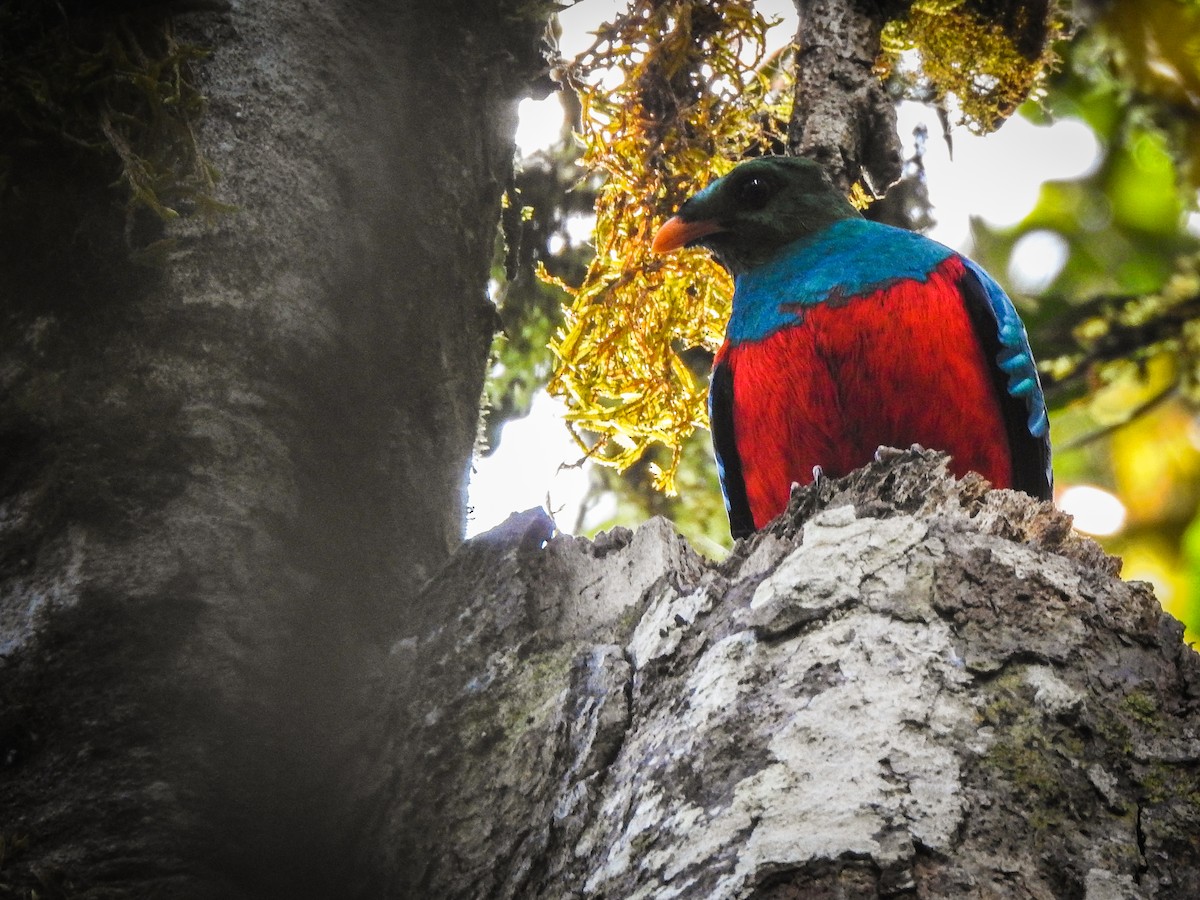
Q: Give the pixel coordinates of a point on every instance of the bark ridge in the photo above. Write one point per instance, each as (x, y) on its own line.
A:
(908, 685)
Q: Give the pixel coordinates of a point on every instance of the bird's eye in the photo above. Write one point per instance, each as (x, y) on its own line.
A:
(754, 192)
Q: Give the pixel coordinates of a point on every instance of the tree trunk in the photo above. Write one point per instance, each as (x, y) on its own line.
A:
(907, 686)
(223, 479)
(842, 115)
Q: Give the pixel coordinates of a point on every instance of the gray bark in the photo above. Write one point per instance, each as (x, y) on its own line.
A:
(842, 115)
(907, 686)
(221, 479)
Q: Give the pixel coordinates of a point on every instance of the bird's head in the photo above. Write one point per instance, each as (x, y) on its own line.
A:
(754, 211)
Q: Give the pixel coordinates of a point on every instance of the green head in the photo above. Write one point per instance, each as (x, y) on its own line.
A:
(758, 208)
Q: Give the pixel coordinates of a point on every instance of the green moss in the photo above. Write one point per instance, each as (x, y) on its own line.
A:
(1143, 707)
(1025, 758)
(1164, 782)
(1006, 703)
(1028, 753)
(504, 712)
(988, 65)
(110, 88)
(1115, 732)
(628, 621)
(1156, 784)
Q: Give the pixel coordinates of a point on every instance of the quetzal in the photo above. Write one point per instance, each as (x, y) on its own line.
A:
(847, 335)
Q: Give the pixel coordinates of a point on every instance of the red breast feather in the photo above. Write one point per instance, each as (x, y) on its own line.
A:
(892, 368)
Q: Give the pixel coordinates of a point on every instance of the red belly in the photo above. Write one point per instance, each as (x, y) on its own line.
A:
(898, 367)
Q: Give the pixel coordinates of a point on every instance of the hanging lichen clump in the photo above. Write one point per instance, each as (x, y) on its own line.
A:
(672, 96)
(110, 86)
(984, 57)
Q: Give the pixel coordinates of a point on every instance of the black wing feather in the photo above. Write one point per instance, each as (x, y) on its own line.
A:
(729, 464)
(1030, 454)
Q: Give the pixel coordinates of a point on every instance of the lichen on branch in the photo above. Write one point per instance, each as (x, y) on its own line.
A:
(1131, 353)
(113, 86)
(983, 58)
(673, 93)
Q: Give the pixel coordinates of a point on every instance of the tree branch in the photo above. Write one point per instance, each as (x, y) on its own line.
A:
(842, 116)
(906, 684)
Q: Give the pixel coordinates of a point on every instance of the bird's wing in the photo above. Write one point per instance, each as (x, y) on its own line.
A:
(729, 464)
(1022, 403)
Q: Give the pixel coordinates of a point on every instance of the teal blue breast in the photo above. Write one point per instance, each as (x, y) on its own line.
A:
(849, 258)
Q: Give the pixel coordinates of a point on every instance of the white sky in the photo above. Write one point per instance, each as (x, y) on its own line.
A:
(996, 178)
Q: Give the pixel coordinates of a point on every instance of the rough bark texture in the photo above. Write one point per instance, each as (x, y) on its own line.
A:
(217, 477)
(842, 116)
(907, 686)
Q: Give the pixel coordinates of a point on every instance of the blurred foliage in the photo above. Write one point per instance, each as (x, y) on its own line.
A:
(671, 95)
(547, 196)
(1118, 328)
(108, 83)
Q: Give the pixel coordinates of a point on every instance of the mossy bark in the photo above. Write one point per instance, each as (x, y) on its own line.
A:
(223, 478)
(906, 686)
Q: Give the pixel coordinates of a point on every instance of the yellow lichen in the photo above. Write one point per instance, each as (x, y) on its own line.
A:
(112, 86)
(954, 53)
(672, 95)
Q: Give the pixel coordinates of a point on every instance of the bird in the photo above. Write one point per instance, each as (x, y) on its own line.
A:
(847, 336)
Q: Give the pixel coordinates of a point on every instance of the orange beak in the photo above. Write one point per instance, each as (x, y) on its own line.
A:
(676, 233)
